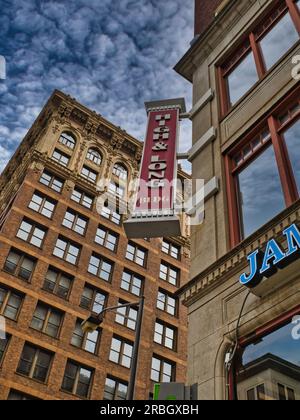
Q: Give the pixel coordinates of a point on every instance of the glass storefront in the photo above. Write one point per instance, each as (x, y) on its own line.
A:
(269, 367)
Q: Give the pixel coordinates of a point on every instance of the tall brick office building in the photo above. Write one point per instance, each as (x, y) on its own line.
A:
(244, 340)
(60, 260)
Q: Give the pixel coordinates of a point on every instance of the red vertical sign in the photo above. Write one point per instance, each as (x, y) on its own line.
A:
(158, 169)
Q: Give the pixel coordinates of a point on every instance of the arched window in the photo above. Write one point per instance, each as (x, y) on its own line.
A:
(68, 140)
(94, 156)
(120, 171)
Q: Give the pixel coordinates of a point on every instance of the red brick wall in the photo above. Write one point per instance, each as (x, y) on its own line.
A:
(204, 14)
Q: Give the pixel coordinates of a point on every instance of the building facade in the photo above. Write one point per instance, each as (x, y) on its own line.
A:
(64, 256)
(244, 326)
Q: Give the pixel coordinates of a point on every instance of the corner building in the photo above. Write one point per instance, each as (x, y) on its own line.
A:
(60, 260)
(246, 146)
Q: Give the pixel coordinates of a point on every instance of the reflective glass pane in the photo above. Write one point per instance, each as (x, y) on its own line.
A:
(269, 369)
(242, 78)
(279, 40)
(292, 138)
(261, 196)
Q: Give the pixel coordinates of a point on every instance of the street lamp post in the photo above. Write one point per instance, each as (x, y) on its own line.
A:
(93, 322)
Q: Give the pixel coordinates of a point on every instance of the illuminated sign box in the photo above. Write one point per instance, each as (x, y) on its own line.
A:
(270, 263)
(154, 213)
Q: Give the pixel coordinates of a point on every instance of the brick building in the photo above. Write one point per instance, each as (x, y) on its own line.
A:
(244, 340)
(60, 260)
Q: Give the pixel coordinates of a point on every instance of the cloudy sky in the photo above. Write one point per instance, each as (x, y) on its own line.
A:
(111, 55)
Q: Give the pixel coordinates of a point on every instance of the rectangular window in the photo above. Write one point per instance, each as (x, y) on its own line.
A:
(3, 347)
(107, 238)
(111, 215)
(31, 233)
(85, 341)
(257, 393)
(241, 78)
(47, 320)
(260, 179)
(77, 379)
(127, 316)
(75, 222)
(42, 205)
(165, 335)
(167, 303)
(20, 264)
(67, 251)
(51, 181)
(58, 283)
(89, 174)
(115, 390)
(278, 40)
(61, 158)
(10, 303)
(266, 164)
(100, 267)
(121, 352)
(116, 189)
(262, 49)
(136, 254)
(162, 370)
(285, 393)
(132, 283)
(171, 249)
(82, 198)
(169, 274)
(93, 300)
(35, 363)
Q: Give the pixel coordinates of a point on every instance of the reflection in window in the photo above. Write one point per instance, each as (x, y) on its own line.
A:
(292, 139)
(261, 196)
(278, 41)
(242, 78)
(269, 369)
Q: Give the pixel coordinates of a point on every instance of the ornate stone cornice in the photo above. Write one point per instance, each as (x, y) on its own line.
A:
(236, 260)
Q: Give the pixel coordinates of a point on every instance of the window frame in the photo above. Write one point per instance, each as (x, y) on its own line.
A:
(45, 200)
(59, 275)
(89, 172)
(22, 256)
(102, 260)
(69, 243)
(85, 339)
(52, 180)
(83, 195)
(62, 156)
(171, 247)
(164, 335)
(108, 232)
(49, 311)
(123, 342)
(77, 377)
(8, 293)
(77, 217)
(135, 256)
(34, 364)
(169, 268)
(93, 300)
(251, 44)
(4, 352)
(95, 159)
(131, 284)
(31, 235)
(283, 163)
(126, 316)
(68, 143)
(163, 361)
(116, 389)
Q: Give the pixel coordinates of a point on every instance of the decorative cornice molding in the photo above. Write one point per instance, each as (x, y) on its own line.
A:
(235, 260)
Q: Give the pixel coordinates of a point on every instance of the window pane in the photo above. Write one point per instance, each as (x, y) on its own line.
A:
(242, 78)
(292, 138)
(271, 365)
(261, 196)
(279, 40)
